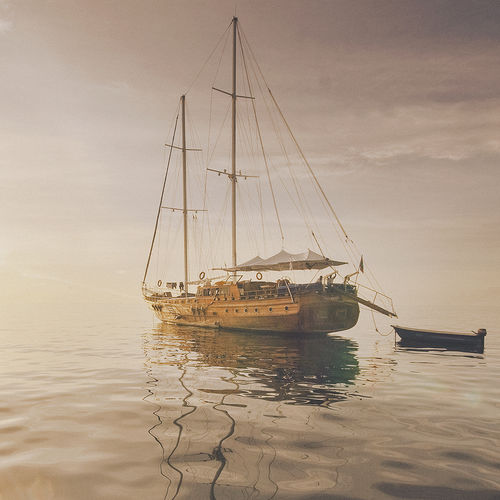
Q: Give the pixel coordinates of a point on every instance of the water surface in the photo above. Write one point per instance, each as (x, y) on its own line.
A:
(104, 403)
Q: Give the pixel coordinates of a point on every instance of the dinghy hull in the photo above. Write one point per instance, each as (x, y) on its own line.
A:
(431, 338)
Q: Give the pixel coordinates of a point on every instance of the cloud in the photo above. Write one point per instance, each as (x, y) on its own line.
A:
(5, 26)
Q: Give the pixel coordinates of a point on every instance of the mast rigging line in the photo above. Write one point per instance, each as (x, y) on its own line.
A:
(308, 165)
(208, 157)
(161, 198)
(249, 66)
(348, 243)
(221, 225)
(281, 142)
(260, 139)
(211, 156)
(259, 192)
(302, 207)
(208, 58)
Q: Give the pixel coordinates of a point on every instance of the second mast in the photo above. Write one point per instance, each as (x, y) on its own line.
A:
(233, 146)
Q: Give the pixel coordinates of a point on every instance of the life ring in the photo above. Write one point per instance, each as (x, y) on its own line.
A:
(159, 283)
(259, 275)
(202, 275)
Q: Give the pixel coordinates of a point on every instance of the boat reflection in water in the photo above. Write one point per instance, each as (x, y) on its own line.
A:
(230, 406)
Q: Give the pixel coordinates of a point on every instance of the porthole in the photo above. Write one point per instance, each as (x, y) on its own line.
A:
(270, 308)
(236, 310)
(256, 310)
(286, 308)
(246, 310)
(227, 310)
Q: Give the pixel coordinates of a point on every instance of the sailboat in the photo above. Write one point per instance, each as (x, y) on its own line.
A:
(244, 298)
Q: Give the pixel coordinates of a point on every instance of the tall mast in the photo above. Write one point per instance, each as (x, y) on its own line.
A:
(184, 193)
(233, 146)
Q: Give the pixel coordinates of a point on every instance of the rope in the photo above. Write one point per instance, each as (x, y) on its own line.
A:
(219, 135)
(377, 330)
(316, 182)
(298, 201)
(161, 199)
(348, 243)
(208, 59)
(260, 141)
(259, 192)
(307, 163)
(299, 207)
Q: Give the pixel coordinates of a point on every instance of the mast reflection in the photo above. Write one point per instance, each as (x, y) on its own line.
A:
(220, 398)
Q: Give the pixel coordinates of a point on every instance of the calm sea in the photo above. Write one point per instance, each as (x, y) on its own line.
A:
(104, 403)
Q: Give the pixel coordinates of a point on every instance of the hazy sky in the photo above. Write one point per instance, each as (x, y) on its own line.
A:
(396, 104)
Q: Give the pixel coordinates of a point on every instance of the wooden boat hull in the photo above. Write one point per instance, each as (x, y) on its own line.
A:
(311, 312)
(430, 338)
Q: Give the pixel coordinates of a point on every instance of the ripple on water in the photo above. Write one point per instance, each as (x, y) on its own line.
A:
(117, 411)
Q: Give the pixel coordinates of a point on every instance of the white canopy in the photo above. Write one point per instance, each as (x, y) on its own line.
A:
(286, 261)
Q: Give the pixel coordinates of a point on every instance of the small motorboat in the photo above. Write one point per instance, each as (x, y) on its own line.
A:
(431, 338)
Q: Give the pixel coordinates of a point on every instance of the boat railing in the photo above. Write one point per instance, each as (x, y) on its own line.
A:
(158, 293)
(344, 287)
(259, 294)
(376, 295)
